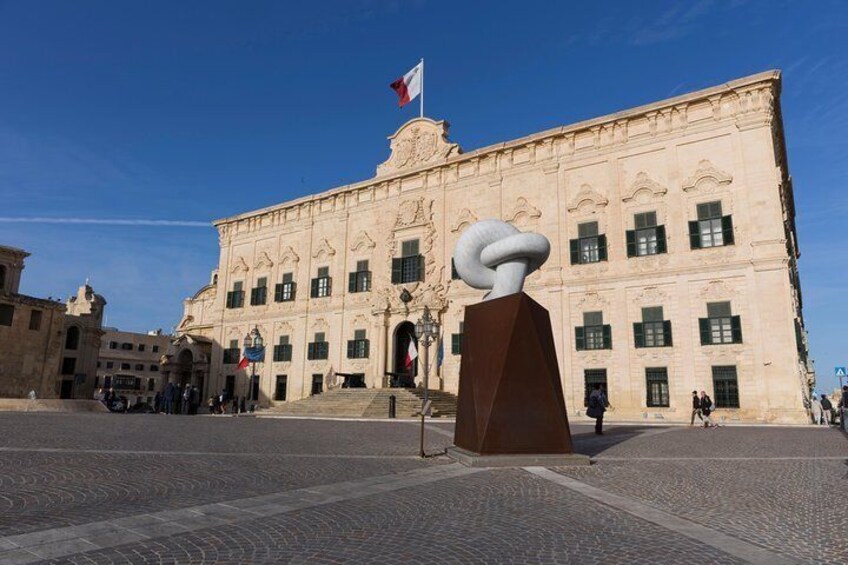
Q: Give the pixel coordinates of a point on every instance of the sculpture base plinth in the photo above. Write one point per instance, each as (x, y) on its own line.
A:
(510, 393)
(470, 459)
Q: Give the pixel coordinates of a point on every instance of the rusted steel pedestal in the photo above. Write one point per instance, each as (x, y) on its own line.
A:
(510, 393)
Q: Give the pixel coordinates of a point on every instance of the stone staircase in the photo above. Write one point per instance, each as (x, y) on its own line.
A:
(368, 403)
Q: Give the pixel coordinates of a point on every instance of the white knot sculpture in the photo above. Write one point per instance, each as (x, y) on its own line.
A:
(492, 254)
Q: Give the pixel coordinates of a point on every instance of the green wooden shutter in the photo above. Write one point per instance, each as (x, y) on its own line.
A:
(456, 344)
(706, 335)
(579, 338)
(420, 274)
(694, 235)
(351, 282)
(727, 230)
(638, 334)
(397, 270)
(736, 328)
(575, 251)
(351, 348)
(631, 243)
(607, 336)
(314, 290)
(602, 247)
(367, 348)
(287, 352)
(310, 351)
(661, 244)
(278, 292)
(667, 333)
(329, 286)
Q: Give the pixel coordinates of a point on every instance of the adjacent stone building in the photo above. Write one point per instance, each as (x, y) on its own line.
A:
(673, 264)
(129, 364)
(46, 346)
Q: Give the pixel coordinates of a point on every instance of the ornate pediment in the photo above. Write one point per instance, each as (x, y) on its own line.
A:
(465, 218)
(419, 142)
(591, 301)
(522, 210)
(239, 265)
(651, 296)
(707, 177)
(323, 250)
(289, 256)
(587, 198)
(716, 290)
(644, 185)
(320, 325)
(263, 261)
(362, 241)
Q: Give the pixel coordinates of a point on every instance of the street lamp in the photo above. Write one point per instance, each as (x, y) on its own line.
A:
(426, 330)
(254, 341)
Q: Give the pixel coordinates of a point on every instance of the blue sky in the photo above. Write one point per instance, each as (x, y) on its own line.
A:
(191, 111)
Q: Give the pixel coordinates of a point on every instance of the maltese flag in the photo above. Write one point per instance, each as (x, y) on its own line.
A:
(411, 354)
(409, 85)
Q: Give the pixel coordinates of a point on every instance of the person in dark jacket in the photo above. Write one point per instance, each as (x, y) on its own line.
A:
(827, 409)
(706, 409)
(596, 408)
(696, 408)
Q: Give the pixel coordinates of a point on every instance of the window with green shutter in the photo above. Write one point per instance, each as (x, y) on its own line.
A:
(231, 354)
(285, 291)
(235, 297)
(720, 326)
(283, 350)
(725, 386)
(593, 334)
(653, 330)
(259, 294)
(360, 279)
(711, 229)
(409, 267)
(357, 348)
(318, 349)
(590, 246)
(456, 340)
(647, 238)
(656, 382)
(322, 284)
(591, 378)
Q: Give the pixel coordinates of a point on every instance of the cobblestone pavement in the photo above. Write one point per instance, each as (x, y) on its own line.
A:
(110, 488)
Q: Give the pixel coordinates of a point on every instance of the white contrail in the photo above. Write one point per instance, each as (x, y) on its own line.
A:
(106, 222)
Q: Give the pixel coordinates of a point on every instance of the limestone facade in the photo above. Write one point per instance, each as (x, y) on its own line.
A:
(46, 346)
(129, 364)
(684, 204)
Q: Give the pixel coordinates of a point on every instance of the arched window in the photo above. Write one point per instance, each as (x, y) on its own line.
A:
(2, 277)
(72, 339)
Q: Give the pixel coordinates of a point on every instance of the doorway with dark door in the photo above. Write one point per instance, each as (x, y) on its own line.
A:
(67, 389)
(404, 334)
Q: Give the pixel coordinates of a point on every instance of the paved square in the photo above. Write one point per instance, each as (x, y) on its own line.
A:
(109, 488)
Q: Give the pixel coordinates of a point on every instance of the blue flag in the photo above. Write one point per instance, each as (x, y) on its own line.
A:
(440, 356)
(254, 354)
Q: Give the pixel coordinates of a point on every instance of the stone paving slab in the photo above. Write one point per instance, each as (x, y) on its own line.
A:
(156, 489)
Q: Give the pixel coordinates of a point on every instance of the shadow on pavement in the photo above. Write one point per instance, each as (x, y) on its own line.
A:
(588, 443)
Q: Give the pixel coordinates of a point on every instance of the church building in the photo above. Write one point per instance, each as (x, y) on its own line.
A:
(673, 265)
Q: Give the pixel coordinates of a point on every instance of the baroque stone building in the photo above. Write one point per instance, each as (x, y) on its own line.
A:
(673, 264)
(129, 364)
(46, 346)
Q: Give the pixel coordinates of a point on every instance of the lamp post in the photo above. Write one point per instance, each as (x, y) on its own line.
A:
(252, 340)
(426, 330)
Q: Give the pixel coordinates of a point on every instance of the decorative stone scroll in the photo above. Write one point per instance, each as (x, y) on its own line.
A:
(421, 141)
(707, 177)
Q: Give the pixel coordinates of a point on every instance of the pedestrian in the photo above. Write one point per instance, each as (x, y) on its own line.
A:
(596, 408)
(186, 400)
(224, 398)
(169, 398)
(706, 409)
(696, 408)
(827, 410)
(816, 410)
(843, 407)
(157, 402)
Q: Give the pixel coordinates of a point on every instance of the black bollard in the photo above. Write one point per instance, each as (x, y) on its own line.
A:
(392, 406)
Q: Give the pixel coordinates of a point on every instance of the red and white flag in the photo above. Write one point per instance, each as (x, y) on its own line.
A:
(411, 355)
(409, 85)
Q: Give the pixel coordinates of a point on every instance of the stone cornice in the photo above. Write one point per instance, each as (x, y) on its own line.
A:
(746, 102)
(33, 301)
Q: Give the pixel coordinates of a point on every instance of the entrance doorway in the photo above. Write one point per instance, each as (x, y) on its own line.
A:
(405, 333)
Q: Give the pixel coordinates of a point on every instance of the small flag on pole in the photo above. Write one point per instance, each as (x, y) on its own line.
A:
(411, 355)
(410, 85)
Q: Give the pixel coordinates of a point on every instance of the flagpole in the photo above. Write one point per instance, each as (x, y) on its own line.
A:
(422, 87)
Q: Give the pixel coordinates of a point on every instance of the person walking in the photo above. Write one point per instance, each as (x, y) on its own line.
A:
(696, 408)
(827, 410)
(706, 409)
(816, 409)
(596, 408)
(186, 400)
(843, 408)
(169, 398)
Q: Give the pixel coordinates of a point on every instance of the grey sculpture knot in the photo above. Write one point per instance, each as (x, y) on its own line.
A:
(492, 254)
